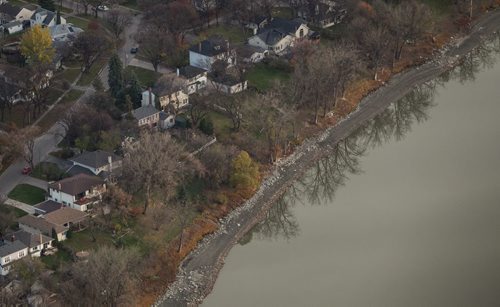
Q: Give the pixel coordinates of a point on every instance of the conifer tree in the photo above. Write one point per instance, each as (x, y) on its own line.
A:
(115, 77)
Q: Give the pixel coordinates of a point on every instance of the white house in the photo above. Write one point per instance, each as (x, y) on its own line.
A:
(195, 78)
(98, 161)
(36, 225)
(12, 27)
(64, 32)
(36, 243)
(10, 13)
(279, 35)
(177, 99)
(323, 14)
(10, 251)
(79, 192)
(205, 53)
(45, 18)
(230, 86)
(167, 120)
(146, 116)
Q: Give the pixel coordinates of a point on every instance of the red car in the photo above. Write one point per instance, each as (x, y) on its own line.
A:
(26, 170)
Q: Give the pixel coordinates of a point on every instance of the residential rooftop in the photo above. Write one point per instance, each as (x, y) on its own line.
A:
(77, 184)
(65, 215)
(8, 247)
(144, 112)
(31, 239)
(96, 159)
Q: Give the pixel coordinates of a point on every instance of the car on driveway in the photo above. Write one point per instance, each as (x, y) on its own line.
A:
(134, 50)
(102, 8)
(26, 170)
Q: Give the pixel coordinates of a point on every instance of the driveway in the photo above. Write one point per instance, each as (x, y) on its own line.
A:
(25, 207)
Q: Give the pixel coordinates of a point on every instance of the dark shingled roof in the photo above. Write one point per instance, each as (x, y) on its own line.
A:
(47, 206)
(210, 47)
(76, 184)
(77, 169)
(190, 71)
(96, 159)
(7, 247)
(285, 26)
(10, 9)
(271, 36)
(247, 51)
(144, 112)
(31, 239)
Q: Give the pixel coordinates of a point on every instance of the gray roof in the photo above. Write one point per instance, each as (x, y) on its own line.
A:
(47, 206)
(285, 26)
(10, 9)
(144, 112)
(96, 159)
(76, 184)
(40, 224)
(211, 47)
(7, 247)
(271, 36)
(77, 169)
(247, 51)
(31, 239)
(14, 23)
(190, 71)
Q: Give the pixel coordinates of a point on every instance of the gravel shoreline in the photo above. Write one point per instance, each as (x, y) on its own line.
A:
(198, 272)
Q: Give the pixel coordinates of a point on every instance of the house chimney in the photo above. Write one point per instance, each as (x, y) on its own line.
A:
(41, 242)
(110, 162)
(150, 96)
(199, 47)
(178, 73)
(12, 238)
(59, 186)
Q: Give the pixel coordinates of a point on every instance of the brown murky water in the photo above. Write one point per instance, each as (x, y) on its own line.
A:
(406, 212)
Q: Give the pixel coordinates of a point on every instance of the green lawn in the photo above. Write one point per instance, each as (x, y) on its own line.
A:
(59, 110)
(78, 21)
(222, 124)
(439, 6)
(54, 261)
(69, 74)
(8, 209)
(82, 240)
(91, 74)
(27, 194)
(262, 75)
(146, 77)
(283, 12)
(232, 33)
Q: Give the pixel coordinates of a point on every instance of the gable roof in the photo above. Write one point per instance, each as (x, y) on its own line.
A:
(271, 36)
(65, 215)
(31, 239)
(246, 51)
(7, 247)
(144, 112)
(9, 9)
(189, 71)
(47, 206)
(285, 26)
(76, 184)
(211, 47)
(96, 159)
(40, 224)
(12, 24)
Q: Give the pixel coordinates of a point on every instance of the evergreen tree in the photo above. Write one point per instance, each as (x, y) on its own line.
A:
(134, 90)
(47, 4)
(115, 77)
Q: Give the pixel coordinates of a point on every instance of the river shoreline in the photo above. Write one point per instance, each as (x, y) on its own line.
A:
(198, 272)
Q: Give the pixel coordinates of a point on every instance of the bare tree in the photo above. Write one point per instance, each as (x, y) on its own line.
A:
(107, 278)
(198, 109)
(23, 143)
(90, 45)
(154, 163)
(118, 20)
(233, 108)
(156, 44)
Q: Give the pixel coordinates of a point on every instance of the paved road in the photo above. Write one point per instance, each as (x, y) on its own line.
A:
(199, 271)
(47, 142)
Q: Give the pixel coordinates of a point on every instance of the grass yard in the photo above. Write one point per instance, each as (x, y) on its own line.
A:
(261, 76)
(5, 209)
(82, 240)
(90, 75)
(27, 194)
(232, 33)
(78, 21)
(59, 110)
(439, 6)
(146, 77)
(69, 74)
(283, 12)
(53, 262)
(222, 125)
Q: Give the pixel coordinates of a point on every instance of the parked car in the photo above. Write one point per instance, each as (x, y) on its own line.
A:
(134, 50)
(26, 170)
(102, 8)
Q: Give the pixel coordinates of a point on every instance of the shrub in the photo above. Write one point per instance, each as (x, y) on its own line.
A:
(245, 172)
(207, 126)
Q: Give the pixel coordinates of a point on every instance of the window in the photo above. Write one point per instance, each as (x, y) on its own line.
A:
(6, 259)
(21, 254)
(301, 33)
(35, 248)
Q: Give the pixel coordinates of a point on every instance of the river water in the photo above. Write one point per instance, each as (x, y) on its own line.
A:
(405, 212)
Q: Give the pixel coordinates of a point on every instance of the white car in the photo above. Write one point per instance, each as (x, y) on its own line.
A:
(102, 8)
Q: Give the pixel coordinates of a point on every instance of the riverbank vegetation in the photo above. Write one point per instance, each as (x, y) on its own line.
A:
(170, 196)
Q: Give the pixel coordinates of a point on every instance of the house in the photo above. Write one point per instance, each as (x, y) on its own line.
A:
(323, 14)
(251, 54)
(171, 93)
(36, 243)
(10, 251)
(66, 217)
(12, 27)
(205, 53)
(279, 35)
(79, 192)
(230, 85)
(195, 78)
(10, 13)
(98, 161)
(146, 116)
(36, 225)
(45, 18)
(148, 97)
(167, 120)
(64, 32)
(47, 206)
(258, 22)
